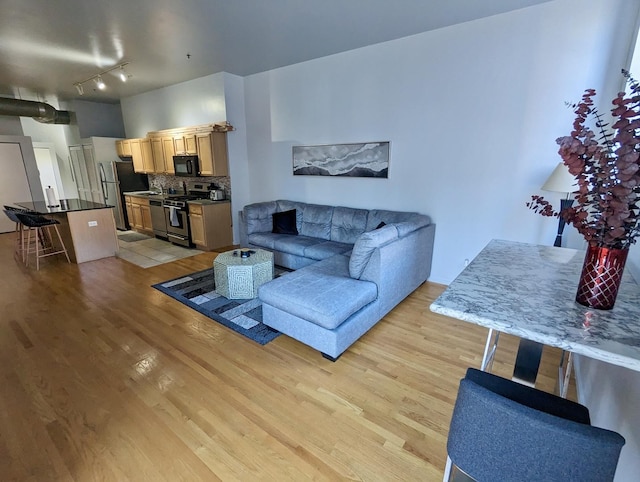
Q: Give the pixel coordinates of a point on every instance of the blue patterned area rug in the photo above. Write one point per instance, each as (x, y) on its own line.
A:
(197, 291)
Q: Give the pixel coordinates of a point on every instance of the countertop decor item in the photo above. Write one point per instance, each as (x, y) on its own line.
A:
(563, 182)
(607, 203)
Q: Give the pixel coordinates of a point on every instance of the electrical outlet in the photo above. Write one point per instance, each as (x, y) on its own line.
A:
(93, 223)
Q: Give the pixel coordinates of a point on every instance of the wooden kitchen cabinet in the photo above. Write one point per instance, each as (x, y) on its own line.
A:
(208, 142)
(123, 147)
(139, 214)
(162, 152)
(169, 151)
(142, 155)
(212, 153)
(210, 225)
(157, 153)
(185, 143)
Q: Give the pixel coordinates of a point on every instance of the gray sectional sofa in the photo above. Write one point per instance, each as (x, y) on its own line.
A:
(352, 266)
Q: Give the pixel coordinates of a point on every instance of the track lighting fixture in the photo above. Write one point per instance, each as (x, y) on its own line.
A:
(99, 84)
(97, 79)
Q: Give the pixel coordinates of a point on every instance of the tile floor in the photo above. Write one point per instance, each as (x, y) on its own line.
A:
(151, 252)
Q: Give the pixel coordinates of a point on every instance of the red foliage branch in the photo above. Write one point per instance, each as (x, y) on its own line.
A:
(607, 170)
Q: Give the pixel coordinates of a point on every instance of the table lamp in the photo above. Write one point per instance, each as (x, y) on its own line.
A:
(561, 180)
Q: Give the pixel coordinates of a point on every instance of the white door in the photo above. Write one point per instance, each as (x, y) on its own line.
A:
(14, 186)
(48, 168)
(80, 172)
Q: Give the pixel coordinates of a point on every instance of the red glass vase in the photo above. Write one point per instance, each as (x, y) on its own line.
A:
(601, 276)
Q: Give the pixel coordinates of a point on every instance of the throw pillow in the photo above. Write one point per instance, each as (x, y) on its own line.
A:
(284, 222)
(365, 245)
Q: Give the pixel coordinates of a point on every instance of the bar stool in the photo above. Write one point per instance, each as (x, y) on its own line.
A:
(19, 242)
(42, 244)
(503, 430)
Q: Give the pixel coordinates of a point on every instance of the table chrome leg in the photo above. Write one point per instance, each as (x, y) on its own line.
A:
(527, 363)
(564, 372)
(489, 351)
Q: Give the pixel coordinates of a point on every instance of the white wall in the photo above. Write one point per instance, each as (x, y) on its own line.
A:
(199, 101)
(612, 394)
(237, 147)
(97, 119)
(472, 112)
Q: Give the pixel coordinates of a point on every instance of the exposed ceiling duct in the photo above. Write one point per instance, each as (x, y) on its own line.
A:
(40, 111)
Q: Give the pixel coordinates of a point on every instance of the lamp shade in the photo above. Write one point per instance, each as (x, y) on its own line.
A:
(560, 180)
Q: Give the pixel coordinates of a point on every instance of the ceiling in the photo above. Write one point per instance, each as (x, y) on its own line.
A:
(47, 46)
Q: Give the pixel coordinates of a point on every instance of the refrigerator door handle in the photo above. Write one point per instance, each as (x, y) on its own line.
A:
(103, 181)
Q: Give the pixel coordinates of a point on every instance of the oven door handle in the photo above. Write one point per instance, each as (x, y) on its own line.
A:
(182, 238)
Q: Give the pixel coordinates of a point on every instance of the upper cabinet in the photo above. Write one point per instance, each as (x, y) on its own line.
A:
(212, 153)
(208, 142)
(142, 156)
(185, 143)
(123, 148)
(154, 154)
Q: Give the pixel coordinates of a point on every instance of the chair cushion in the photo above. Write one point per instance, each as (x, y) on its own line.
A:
(530, 397)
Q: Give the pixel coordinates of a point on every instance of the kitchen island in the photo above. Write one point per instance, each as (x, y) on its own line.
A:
(88, 229)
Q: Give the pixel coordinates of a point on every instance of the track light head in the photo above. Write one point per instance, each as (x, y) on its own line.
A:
(123, 74)
(80, 89)
(99, 83)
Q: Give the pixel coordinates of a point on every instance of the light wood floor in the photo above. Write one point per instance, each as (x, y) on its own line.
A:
(105, 378)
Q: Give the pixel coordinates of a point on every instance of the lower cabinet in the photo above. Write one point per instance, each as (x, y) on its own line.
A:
(210, 225)
(139, 214)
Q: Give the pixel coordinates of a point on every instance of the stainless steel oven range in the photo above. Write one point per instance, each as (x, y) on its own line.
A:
(176, 213)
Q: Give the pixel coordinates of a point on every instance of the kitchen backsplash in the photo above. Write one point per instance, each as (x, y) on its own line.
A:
(156, 181)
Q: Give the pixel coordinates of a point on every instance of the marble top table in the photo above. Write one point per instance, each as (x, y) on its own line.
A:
(529, 291)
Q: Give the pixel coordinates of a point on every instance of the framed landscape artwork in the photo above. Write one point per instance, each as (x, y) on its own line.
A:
(366, 159)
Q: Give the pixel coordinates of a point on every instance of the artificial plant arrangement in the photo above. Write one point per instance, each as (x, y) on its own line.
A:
(607, 170)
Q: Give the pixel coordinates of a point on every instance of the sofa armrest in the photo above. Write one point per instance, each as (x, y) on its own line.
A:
(399, 267)
(244, 235)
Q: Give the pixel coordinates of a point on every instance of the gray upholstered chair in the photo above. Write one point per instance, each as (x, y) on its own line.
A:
(502, 430)
(19, 242)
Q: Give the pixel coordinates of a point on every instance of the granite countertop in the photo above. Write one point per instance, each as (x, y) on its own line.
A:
(147, 195)
(529, 291)
(65, 206)
(206, 202)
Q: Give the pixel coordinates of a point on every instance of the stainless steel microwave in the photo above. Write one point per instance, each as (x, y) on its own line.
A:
(186, 166)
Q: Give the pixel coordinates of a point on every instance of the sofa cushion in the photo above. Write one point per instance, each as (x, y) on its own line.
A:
(347, 224)
(322, 299)
(316, 221)
(285, 222)
(266, 240)
(366, 244)
(407, 227)
(258, 217)
(376, 216)
(326, 249)
(294, 244)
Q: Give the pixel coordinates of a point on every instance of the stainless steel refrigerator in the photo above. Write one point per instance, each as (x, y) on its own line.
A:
(117, 177)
